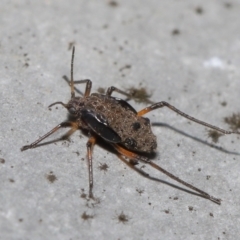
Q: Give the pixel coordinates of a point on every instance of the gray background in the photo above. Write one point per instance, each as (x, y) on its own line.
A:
(196, 70)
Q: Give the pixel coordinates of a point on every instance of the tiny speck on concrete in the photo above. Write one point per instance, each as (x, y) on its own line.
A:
(199, 10)
(214, 135)
(86, 216)
(103, 167)
(123, 218)
(51, 177)
(233, 121)
(2, 160)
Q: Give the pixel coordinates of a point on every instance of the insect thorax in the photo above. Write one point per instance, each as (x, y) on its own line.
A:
(135, 132)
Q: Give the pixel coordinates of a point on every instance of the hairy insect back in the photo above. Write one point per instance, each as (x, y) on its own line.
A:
(117, 116)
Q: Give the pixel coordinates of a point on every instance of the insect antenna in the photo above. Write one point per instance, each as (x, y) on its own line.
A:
(65, 105)
(72, 83)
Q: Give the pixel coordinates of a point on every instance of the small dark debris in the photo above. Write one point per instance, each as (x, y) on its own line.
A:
(26, 65)
(98, 50)
(20, 219)
(86, 216)
(51, 177)
(78, 153)
(167, 211)
(127, 66)
(2, 160)
(228, 5)
(224, 103)
(199, 10)
(211, 214)
(175, 198)
(91, 203)
(103, 167)
(11, 180)
(175, 31)
(122, 218)
(83, 195)
(199, 169)
(101, 90)
(208, 177)
(113, 3)
(214, 135)
(190, 208)
(233, 121)
(65, 143)
(140, 95)
(140, 191)
(105, 26)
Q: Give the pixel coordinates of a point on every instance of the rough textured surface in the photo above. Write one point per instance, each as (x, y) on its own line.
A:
(183, 52)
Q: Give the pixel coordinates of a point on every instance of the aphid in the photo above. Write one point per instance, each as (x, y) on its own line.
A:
(119, 124)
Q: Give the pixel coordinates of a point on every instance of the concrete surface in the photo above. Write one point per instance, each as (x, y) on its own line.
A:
(184, 52)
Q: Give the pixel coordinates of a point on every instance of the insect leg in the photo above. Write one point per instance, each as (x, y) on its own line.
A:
(90, 145)
(88, 85)
(112, 89)
(61, 125)
(165, 104)
(137, 157)
(132, 163)
(68, 134)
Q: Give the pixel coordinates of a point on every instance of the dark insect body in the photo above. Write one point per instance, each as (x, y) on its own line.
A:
(120, 125)
(114, 120)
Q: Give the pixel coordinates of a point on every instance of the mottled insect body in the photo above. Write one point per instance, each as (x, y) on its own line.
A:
(114, 120)
(119, 124)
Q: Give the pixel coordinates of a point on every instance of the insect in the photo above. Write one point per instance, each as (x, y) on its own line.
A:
(119, 124)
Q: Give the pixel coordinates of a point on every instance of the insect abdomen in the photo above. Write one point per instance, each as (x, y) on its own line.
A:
(135, 132)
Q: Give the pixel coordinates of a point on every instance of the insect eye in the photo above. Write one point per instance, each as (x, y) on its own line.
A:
(72, 110)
